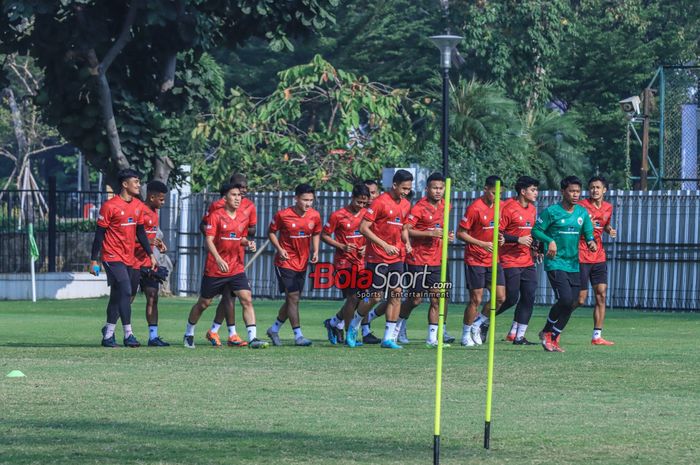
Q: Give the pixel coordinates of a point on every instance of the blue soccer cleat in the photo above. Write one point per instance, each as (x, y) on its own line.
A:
(131, 341)
(390, 344)
(332, 337)
(351, 337)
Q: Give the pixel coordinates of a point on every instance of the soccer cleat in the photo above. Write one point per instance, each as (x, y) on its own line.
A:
(434, 345)
(340, 335)
(541, 336)
(510, 337)
(403, 337)
(157, 342)
(274, 337)
(371, 339)
(484, 332)
(599, 341)
(390, 344)
(351, 337)
(258, 344)
(467, 340)
(110, 342)
(236, 341)
(131, 341)
(301, 341)
(476, 335)
(213, 338)
(547, 343)
(523, 342)
(555, 344)
(446, 338)
(330, 332)
(188, 341)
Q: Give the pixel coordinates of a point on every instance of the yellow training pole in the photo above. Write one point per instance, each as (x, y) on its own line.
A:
(492, 326)
(441, 322)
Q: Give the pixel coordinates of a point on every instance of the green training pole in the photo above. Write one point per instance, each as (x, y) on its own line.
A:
(441, 322)
(492, 326)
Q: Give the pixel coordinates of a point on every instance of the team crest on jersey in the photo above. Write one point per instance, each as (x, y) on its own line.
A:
(597, 224)
(311, 225)
(527, 223)
(357, 231)
(302, 233)
(130, 220)
(397, 219)
(232, 234)
(579, 221)
(370, 211)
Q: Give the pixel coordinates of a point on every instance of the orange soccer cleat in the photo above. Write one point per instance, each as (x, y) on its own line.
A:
(213, 338)
(599, 341)
(236, 341)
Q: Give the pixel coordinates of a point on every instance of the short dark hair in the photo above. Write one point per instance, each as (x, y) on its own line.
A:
(523, 182)
(435, 177)
(370, 182)
(302, 189)
(125, 174)
(156, 187)
(402, 176)
(228, 186)
(238, 178)
(569, 180)
(358, 190)
(491, 181)
(600, 179)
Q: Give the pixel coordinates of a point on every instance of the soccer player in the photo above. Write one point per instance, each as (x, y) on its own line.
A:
(559, 228)
(373, 189)
(425, 228)
(226, 307)
(518, 217)
(119, 225)
(476, 229)
(224, 271)
(155, 199)
(387, 245)
(342, 231)
(594, 267)
(299, 229)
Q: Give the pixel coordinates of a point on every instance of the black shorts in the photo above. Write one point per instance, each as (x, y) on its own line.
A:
(384, 275)
(424, 282)
(596, 273)
(290, 280)
(343, 281)
(513, 276)
(565, 284)
(479, 277)
(211, 287)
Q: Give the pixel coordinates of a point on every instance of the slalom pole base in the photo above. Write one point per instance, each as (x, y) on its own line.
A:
(436, 450)
(487, 435)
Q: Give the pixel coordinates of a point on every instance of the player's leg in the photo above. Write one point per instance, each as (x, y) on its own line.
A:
(122, 278)
(364, 306)
(475, 296)
(210, 288)
(245, 297)
(284, 283)
(599, 280)
(567, 293)
(224, 310)
(434, 319)
(150, 291)
(406, 308)
(512, 277)
(526, 303)
(115, 282)
(367, 336)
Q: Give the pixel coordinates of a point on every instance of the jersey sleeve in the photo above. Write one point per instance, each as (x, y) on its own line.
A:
(212, 226)
(141, 213)
(544, 220)
(587, 228)
(373, 210)
(413, 216)
(276, 223)
(104, 216)
(330, 226)
(467, 220)
(505, 219)
(317, 225)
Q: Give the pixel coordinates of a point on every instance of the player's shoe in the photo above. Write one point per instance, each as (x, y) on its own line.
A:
(541, 336)
(351, 337)
(302, 342)
(523, 342)
(403, 337)
(510, 337)
(547, 342)
(467, 340)
(557, 347)
(340, 335)
(434, 345)
(131, 341)
(188, 341)
(390, 344)
(213, 338)
(157, 342)
(236, 341)
(110, 342)
(599, 341)
(476, 335)
(484, 332)
(371, 339)
(446, 338)
(274, 337)
(258, 344)
(330, 331)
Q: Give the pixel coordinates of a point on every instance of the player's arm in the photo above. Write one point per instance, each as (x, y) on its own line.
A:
(366, 230)
(145, 244)
(211, 248)
(413, 232)
(406, 238)
(587, 233)
(272, 235)
(96, 248)
(539, 232)
(315, 244)
(464, 236)
(612, 232)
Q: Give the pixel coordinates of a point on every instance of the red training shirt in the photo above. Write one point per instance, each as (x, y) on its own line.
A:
(600, 218)
(425, 216)
(120, 218)
(247, 208)
(150, 223)
(478, 222)
(345, 227)
(227, 233)
(295, 236)
(516, 221)
(387, 217)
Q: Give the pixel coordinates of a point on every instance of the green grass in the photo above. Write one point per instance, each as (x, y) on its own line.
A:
(636, 402)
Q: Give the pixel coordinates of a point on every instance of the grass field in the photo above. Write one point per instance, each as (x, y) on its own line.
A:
(636, 402)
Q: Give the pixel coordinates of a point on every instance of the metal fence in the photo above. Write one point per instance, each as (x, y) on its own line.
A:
(653, 264)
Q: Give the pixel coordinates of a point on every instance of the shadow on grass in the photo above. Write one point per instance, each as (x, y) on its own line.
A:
(35, 345)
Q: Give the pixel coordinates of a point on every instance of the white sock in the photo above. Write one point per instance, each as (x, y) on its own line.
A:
(215, 327)
(366, 330)
(231, 330)
(389, 330)
(371, 316)
(484, 320)
(189, 330)
(127, 331)
(521, 331)
(401, 325)
(276, 326)
(152, 331)
(356, 320)
(432, 334)
(252, 332)
(341, 325)
(597, 333)
(466, 329)
(514, 328)
(109, 330)
(297, 332)
(335, 321)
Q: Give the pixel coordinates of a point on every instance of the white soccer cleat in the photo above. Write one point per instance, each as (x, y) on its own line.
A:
(476, 335)
(467, 340)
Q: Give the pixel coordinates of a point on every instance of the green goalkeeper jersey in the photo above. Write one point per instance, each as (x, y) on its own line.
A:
(564, 228)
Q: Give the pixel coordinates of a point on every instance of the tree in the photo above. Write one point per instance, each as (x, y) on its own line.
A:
(125, 80)
(321, 125)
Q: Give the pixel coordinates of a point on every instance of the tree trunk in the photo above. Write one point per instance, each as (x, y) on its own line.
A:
(164, 165)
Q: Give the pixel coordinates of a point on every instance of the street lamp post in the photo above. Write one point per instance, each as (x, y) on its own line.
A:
(446, 43)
